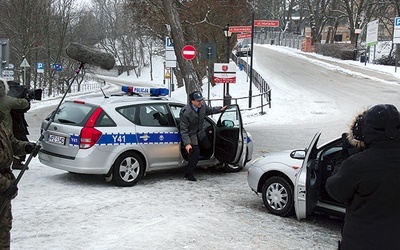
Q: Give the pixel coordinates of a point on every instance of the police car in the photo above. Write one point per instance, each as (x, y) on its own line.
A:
(126, 135)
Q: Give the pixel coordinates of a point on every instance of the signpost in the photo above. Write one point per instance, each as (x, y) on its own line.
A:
(208, 52)
(396, 37)
(266, 23)
(4, 54)
(170, 57)
(225, 72)
(40, 67)
(240, 29)
(189, 52)
(372, 36)
(170, 63)
(24, 65)
(372, 33)
(243, 35)
(57, 66)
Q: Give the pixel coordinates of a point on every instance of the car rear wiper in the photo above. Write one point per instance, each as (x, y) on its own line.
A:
(66, 121)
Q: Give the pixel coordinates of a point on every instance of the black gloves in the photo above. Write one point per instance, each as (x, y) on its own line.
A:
(32, 148)
(12, 190)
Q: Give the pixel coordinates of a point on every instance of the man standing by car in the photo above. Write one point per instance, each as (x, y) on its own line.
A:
(192, 130)
(9, 146)
(368, 182)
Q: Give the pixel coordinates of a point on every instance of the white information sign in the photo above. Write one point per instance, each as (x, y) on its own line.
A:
(224, 72)
(372, 33)
(170, 56)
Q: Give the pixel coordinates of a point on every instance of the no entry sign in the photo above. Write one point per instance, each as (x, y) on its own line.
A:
(189, 52)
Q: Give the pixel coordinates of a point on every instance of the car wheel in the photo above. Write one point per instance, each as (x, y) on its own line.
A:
(128, 169)
(232, 168)
(277, 195)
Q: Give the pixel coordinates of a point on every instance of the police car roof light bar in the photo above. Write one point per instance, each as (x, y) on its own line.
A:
(145, 90)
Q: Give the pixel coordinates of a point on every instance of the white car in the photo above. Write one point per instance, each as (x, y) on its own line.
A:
(124, 136)
(294, 180)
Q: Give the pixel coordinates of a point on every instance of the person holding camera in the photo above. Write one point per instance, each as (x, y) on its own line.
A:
(367, 182)
(9, 105)
(192, 130)
(9, 147)
(19, 124)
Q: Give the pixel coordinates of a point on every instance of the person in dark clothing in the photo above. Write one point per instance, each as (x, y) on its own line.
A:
(19, 124)
(9, 146)
(192, 130)
(368, 182)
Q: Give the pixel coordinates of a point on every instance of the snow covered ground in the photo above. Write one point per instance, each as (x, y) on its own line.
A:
(59, 210)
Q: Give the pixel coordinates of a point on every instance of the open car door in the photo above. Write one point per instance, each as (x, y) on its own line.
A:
(230, 146)
(306, 184)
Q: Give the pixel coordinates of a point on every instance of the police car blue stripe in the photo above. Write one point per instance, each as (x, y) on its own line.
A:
(159, 138)
(140, 138)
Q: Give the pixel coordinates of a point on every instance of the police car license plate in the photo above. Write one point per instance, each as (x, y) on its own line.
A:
(56, 139)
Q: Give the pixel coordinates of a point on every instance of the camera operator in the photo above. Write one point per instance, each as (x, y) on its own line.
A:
(368, 182)
(19, 124)
(8, 103)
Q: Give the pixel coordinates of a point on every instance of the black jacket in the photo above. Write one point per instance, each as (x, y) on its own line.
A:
(369, 184)
(192, 123)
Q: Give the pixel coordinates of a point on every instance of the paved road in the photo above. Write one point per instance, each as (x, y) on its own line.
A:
(335, 90)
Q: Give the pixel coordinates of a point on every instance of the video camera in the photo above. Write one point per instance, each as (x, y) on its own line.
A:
(20, 91)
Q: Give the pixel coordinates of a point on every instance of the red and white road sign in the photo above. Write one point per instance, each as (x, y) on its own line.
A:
(224, 72)
(189, 52)
(240, 29)
(266, 23)
(243, 35)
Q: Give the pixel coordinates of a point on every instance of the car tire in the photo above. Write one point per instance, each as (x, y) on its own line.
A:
(230, 168)
(128, 169)
(277, 196)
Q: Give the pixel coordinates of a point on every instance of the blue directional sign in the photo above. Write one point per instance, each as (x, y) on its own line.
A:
(39, 65)
(396, 31)
(168, 43)
(397, 21)
(57, 67)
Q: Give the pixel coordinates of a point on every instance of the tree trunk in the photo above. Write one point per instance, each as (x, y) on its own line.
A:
(190, 77)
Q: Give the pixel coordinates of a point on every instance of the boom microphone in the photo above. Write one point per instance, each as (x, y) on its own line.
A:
(88, 55)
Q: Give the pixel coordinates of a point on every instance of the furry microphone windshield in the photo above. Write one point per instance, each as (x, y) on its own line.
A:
(88, 55)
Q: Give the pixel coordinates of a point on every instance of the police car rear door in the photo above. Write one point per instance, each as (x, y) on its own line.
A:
(230, 144)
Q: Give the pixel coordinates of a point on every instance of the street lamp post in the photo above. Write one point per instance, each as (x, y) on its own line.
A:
(228, 34)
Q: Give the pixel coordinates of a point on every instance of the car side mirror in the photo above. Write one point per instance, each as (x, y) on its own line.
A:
(298, 154)
(228, 123)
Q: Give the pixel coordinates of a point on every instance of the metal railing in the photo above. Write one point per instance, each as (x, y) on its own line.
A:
(92, 82)
(262, 96)
(279, 38)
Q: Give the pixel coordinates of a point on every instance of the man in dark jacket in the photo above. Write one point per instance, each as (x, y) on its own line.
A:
(192, 130)
(368, 182)
(9, 146)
